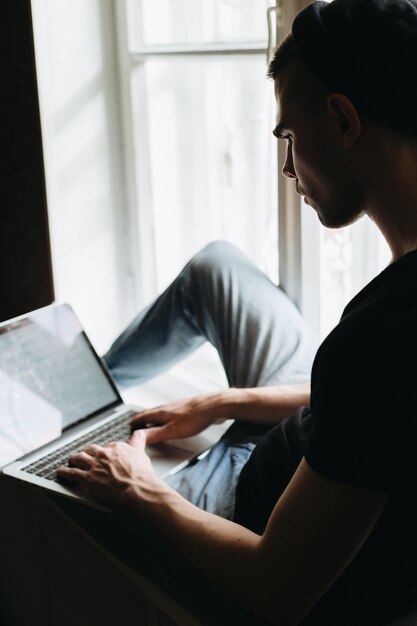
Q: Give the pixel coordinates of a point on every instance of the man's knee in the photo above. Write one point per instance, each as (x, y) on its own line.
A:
(215, 257)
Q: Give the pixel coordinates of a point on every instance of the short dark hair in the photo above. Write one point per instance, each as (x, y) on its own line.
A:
(365, 50)
(282, 55)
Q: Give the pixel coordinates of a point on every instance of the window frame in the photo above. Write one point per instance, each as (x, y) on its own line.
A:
(298, 241)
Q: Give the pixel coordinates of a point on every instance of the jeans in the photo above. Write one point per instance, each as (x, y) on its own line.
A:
(220, 297)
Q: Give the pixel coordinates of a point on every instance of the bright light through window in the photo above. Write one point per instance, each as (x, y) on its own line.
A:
(202, 121)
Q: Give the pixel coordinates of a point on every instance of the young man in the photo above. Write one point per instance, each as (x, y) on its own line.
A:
(327, 535)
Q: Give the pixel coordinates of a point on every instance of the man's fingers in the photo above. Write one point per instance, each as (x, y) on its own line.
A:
(149, 417)
(138, 439)
(157, 434)
(82, 460)
(141, 438)
(92, 450)
(72, 474)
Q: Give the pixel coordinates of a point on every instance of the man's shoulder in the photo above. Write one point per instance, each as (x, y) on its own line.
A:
(380, 318)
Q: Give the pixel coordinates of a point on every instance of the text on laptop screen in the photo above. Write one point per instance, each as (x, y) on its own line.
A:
(49, 379)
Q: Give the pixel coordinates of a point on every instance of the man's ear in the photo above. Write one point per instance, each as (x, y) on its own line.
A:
(346, 117)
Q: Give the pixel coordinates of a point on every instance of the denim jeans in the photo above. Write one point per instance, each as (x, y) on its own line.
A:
(222, 297)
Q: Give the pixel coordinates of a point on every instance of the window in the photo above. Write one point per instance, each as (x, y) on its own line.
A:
(201, 113)
(156, 124)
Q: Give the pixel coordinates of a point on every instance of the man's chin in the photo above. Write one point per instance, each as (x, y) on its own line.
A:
(334, 223)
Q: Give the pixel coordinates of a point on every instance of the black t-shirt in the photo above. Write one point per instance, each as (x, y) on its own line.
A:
(361, 430)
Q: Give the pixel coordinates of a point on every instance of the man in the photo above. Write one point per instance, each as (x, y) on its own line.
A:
(334, 541)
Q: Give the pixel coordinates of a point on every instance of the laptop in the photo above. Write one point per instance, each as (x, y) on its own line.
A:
(57, 396)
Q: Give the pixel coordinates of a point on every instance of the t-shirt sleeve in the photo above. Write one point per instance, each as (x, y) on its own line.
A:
(357, 419)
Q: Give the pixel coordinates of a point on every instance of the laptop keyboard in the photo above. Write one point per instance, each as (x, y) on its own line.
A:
(118, 429)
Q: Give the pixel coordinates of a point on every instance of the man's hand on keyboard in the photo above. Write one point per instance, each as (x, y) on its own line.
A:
(112, 473)
(182, 418)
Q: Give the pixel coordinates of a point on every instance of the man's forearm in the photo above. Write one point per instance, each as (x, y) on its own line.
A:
(263, 404)
(220, 550)
(189, 416)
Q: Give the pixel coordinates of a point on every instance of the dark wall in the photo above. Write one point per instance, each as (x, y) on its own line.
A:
(25, 262)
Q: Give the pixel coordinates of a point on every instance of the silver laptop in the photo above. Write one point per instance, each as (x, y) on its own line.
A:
(57, 396)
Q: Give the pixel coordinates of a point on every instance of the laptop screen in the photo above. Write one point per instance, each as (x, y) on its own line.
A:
(50, 379)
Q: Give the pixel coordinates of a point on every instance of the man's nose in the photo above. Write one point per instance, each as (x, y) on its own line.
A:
(288, 169)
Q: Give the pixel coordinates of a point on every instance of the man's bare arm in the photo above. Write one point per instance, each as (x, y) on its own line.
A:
(316, 528)
(268, 405)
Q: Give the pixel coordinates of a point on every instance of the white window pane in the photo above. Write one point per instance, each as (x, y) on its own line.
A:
(212, 158)
(350, 258)
(196, 21)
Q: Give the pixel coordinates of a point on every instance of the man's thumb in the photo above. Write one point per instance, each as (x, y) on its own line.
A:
(138, 439)
(156, 434)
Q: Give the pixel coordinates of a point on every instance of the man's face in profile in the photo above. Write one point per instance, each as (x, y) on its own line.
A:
(315, 158)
